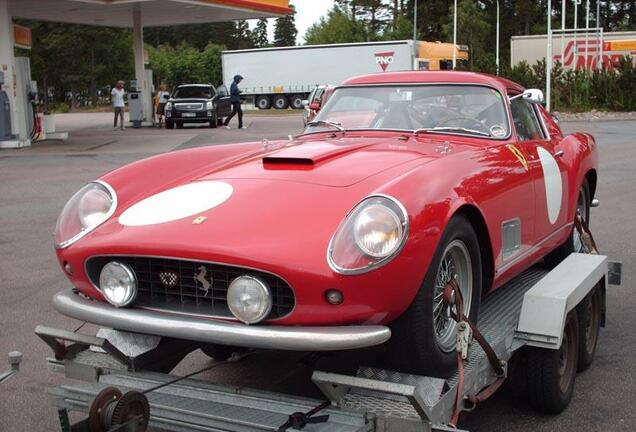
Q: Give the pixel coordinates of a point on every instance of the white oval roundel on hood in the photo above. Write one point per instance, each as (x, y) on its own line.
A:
(177, 203)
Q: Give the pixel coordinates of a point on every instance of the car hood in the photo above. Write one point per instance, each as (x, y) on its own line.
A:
(336, 162)
(270, 200)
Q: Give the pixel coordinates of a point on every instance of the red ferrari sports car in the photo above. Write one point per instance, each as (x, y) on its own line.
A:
(341, 238)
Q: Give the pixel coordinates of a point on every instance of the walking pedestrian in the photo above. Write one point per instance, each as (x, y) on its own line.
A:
(235, 99)
(117, 98)
(163, 97)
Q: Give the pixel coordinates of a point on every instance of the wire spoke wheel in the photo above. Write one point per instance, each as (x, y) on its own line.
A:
(582, 209)
(456, 264)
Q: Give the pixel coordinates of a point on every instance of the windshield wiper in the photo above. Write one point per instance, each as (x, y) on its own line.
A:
(450, 129)
(336, 125)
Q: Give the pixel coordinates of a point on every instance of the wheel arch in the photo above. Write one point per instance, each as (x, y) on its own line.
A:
(476, 219)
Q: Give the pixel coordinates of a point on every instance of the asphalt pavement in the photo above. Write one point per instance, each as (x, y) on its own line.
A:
(36, 182)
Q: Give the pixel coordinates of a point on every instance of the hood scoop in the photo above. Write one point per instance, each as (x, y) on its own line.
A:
(286, 162)
(306, 155)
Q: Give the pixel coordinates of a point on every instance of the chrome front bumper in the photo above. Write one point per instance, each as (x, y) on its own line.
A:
(295, 338)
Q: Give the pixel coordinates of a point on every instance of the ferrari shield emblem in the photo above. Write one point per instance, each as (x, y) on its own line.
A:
(515, 151)
(199, 220)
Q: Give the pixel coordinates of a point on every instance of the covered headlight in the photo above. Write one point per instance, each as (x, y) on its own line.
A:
(168, 106)
(249, 299)
(370, 236)
(118, 283)
(210, 105)
(91, 206)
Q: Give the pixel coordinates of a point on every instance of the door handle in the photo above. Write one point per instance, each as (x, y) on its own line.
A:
(559, 153)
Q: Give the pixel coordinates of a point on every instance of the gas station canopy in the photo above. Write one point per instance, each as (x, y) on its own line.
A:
(14, 130)
(118, 13)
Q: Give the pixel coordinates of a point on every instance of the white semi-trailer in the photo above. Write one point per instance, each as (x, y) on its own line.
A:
(284, 77)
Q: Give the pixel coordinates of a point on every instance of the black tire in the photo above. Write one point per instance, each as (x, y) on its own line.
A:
(219, 121)
(214, 122)
(549, 375)
(589, 313)
(555, 257)
(414, 346)
(296, 101)
(220, 352)
(263, 102)
(169, 124)
(179, 125)
(281, 102)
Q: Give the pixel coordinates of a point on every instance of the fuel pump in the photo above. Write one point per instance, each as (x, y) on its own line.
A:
(5, 113)
(135, 105)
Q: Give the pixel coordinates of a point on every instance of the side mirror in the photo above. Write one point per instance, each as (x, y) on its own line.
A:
(534, 96)
(305, 103)
(314, 106)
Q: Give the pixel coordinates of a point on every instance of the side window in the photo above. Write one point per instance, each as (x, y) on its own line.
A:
(525, 119)
(222, 91)
(317, 95)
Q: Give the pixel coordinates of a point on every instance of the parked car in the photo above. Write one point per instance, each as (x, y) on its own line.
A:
(342, 238)
(317, 98)
(198, 103)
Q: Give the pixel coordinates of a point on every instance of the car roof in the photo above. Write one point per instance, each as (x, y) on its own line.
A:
(432, 77)
(195, 85)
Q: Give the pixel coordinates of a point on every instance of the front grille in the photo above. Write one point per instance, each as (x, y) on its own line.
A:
(191, 287)
(195, 106)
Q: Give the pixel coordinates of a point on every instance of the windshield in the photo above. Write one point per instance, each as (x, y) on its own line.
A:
(464, 109)
(192, 92)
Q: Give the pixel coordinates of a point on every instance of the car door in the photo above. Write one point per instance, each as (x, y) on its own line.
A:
(223, 104)
(549, 174)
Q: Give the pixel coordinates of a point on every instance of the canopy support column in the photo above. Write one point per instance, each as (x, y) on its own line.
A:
(140, 73)
(7, 67)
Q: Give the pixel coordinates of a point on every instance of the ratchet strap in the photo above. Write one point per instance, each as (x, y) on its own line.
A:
(299, 420)
(452, 290)
(586, 235)
(453, 296)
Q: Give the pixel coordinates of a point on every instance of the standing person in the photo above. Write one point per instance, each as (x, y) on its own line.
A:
(117, 98)
(235, 99)
(163, 97)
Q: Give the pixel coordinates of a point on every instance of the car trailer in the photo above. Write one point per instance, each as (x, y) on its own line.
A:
(550, 319)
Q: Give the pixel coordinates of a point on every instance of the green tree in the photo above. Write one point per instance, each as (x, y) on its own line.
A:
(78, 60)
(336, 27)
(186, 64)
(285, 30)
(401, 29)
(472, 28)
(259, 34)
(242, 35)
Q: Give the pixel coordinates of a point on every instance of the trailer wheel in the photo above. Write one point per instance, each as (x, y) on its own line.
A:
(589, 313)
(423, 338)
(550, 374)
(263, 102)
(297, 101)
(281, 102)
(220, 352)
(573, 243)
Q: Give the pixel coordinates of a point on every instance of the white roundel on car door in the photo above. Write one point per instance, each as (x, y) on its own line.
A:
(553, 184)
(177, 203)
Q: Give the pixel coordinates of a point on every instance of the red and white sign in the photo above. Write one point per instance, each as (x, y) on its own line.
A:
(384, 59)
(581, 54)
